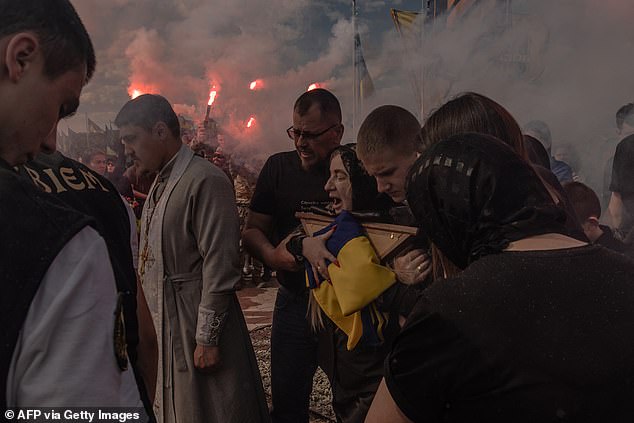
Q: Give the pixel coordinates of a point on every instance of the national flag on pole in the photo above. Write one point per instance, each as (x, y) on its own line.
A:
(405, 22)
(366, 86)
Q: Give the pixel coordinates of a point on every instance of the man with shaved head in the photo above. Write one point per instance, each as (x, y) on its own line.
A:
(388, 145)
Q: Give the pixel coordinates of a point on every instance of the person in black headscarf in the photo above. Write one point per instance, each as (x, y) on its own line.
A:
(530, 324)
(473, 112)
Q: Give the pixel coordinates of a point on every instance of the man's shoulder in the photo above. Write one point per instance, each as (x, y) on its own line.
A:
(626, 145)
(60, 162)
(285, 155)
(29, 213)
(199, 167)
(200, 173)
(284, 160)
(18, 193)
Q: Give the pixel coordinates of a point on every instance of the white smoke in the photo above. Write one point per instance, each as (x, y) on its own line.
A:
(566, 62)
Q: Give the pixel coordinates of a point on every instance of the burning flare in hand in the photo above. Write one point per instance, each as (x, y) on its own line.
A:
(212, 97)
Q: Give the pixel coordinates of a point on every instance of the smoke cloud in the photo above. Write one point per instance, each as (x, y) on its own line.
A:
(181, 48)
(566, 62)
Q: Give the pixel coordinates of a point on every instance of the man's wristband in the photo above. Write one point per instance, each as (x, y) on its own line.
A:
(294, 246)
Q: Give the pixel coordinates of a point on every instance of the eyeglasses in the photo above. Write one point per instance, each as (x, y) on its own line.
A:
(295, 134)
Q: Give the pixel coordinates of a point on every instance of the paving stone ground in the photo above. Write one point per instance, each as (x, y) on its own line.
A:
(257, 305)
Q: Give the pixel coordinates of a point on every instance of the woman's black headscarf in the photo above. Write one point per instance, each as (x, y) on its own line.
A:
(473, 195)
(365, 196)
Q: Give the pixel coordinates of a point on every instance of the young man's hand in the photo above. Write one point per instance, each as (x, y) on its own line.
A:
(207, 358)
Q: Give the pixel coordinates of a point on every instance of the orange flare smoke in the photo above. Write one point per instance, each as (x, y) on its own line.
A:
(137, 89)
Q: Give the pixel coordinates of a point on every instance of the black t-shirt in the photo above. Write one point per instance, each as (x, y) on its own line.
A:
(284, 188)
(623, 179)
(521, 337)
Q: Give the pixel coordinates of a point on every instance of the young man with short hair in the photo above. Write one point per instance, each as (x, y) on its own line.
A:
(388, 145)
(58, 291)
(96, 160)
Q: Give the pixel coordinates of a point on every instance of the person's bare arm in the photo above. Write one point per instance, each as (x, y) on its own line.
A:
(615, 209)
(384, 409)
(255, 240)
(148, 345)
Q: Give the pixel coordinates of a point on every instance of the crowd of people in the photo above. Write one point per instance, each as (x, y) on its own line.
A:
(513, 302)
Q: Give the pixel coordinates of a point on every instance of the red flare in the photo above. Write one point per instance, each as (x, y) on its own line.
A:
(212, 97)
(137, 89)
(257, 84)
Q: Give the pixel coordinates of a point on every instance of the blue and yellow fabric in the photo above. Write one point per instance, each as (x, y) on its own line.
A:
(348, 299)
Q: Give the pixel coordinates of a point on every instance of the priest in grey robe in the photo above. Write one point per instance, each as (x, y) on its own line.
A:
(189, 268)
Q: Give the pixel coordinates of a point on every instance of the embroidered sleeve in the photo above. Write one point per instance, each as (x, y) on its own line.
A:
(210, 324)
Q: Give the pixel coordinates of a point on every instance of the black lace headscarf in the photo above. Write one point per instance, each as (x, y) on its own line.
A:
(474, 195)
(365, 196)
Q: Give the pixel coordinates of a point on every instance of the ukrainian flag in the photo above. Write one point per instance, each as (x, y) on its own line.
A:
(348, 298)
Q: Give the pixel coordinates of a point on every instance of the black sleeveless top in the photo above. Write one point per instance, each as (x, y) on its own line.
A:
(34, 228)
